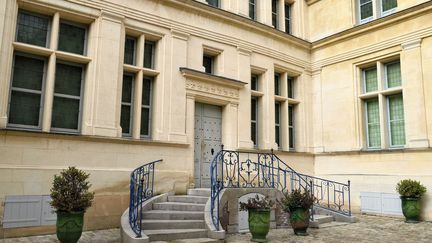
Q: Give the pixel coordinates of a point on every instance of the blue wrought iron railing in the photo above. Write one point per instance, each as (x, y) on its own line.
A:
(141, 189)
(234, 169)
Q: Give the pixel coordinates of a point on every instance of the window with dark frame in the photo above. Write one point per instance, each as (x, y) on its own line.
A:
(278, 124)
(146, 103)
(254, 121)
(252, 9)
(291, 128)
(277, 84)
(208, 63)
(126, 116)
(33, 28)
(275, 14)
(129, 53)
(288, 18)
(149, 49)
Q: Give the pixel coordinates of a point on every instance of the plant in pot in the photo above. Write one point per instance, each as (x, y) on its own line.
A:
(70, 198)
(297, 204)
(259, 216)
(411, 192)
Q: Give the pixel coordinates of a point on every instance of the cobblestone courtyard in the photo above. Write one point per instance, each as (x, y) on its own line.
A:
(368, 229)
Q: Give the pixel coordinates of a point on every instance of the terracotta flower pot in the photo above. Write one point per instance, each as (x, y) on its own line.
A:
(299, 218)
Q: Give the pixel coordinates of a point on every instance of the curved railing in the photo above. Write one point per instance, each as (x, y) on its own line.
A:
(234, 169)
(141, 189)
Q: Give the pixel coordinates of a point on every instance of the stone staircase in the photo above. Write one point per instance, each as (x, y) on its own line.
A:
(179, 219)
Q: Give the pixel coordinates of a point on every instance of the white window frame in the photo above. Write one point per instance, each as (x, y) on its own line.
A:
(293, 127)
(388, 12)
(364, 79)
(391, 145)
(368, 19)
(386, 76)
(367, 124)
(278, 125)
(276, 25)
(256, 120)
(254, 4)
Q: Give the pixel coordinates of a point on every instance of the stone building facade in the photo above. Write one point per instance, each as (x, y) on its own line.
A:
(339, 89)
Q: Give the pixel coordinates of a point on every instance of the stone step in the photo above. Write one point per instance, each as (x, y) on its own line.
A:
(197, 240)
(179, 206)
(332, 224)
(175, 234)
(320, 219)
(153, 224)
(204, 192)
(188, 199)
(176, 215)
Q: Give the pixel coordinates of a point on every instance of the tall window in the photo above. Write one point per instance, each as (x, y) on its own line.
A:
(252, 9)
(136, 102)
(287, 18)
(214, 3)
(278, 124)
(290, 86)
(367, 11)
(254, 120)
(275, 14)
(291, 130)
(254, 82)
(29, 79)
(383, 103)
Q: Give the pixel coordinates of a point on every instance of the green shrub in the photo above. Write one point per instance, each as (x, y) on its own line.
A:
(70, 191)
(296, 199)
(256, 202)
(410, 188)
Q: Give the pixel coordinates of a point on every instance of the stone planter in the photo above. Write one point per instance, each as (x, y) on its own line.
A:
(69, 226)
(259, 224)
(411, 209)
(299, 219)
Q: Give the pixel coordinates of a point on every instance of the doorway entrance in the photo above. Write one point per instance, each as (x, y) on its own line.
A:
(208, 136)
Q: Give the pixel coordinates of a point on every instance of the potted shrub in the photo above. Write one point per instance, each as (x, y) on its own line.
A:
(70, 198)
(410, 193)
(259, 216)
(297, 204)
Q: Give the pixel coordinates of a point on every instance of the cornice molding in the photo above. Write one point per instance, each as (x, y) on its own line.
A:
(198, 75)
(411, 44)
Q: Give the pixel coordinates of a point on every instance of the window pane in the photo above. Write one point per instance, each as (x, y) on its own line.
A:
(371, 80)
(145, 121)
(287, 18)
(68, 79)
(396, 119)
(277, 83)
(32, 29)
(290, 115)
(208, 63)
(366, 10)
(277, 111)
(253, 133)
(254, 82)
(275, 13)
(373, 124)
(65, 113)
(125, 119)
(28, 73)
(149, 54)
(214, 3)
(393, 75)
(127, 88)
(129, 54)
(24, 108)
(290, 87)
(277, 134)
(71, 38)
(253, 109)
(252, 9)
(291, 138)
(146, 91)
(388, 5)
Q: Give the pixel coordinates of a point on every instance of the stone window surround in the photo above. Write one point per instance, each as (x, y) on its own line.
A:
(376, 11)
(284, 102)
(53, 56)
(139, 72)
(382, 94)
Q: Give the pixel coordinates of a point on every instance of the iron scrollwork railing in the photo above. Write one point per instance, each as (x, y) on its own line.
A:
(141, 189)
(234, 169)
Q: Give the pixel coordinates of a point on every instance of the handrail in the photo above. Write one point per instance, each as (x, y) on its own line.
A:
(234, 169)
(141, 189)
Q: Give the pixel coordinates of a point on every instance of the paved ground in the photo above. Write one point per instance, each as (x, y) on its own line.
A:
(368, 229)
